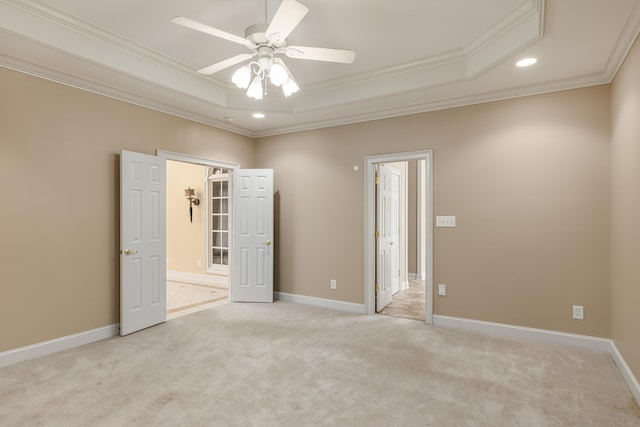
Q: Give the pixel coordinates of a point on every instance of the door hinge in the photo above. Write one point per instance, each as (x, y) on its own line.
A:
(377, 234)
(377, 288)
(377, 180)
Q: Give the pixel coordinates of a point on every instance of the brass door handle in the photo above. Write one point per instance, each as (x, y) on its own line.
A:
(128, 252)
(268, 242)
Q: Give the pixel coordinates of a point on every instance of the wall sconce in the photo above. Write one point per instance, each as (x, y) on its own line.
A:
(189, 193)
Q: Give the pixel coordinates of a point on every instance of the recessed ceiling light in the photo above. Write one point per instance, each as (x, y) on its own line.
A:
(526, 62)
(258, 115)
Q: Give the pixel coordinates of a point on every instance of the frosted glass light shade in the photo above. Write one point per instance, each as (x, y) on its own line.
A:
(255, 89)
(290, 87)
(242, 77)
(278, 74)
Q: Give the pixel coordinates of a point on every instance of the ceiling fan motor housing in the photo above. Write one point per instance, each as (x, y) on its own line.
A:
(257, 34)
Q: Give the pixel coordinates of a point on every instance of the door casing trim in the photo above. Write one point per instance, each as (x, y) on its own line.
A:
(370, 224)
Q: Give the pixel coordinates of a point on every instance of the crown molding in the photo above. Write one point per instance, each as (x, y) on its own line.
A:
(194, 93)
(441, 104)
(625, 41)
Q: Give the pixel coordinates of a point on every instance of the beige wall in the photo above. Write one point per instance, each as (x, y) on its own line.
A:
(185, 239)
(59, 227)
(625, 211)
(528, 180)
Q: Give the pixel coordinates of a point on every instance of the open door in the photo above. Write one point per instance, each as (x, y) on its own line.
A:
(252, 247)
(387, 233)
(143, 282)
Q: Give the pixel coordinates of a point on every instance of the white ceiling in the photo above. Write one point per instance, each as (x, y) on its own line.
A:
(412, 55)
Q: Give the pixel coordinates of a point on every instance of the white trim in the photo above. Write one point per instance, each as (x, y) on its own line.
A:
(58, 344)
(206, 279)
(501, 329)
(188, 158)
(416, 276)
(320, 302)
(628, 376)
(369, 225)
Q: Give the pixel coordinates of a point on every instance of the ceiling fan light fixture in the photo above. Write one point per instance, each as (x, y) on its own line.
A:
(290, 87)
(255, 88)
(266, 40)
(242, 77)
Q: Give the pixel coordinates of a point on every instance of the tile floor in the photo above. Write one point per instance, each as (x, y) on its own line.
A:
(408, 303)
(187, 298)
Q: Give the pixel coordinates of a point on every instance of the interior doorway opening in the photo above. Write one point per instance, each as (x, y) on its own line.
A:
(198, 242)
(398, 235)
(400, 290)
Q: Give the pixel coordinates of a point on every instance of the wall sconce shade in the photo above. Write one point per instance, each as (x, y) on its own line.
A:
(190, 194)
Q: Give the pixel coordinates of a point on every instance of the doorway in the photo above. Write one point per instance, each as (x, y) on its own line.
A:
(377, 246)
(400, 291)
(198, 241)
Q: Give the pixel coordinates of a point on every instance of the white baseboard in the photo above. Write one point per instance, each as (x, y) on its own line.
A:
(58, 344)
(206, 279)
(583, 341)
(321, 302)
(417, 276)
(631, 380)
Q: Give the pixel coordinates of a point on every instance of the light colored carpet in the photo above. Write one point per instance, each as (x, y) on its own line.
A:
(285, 364)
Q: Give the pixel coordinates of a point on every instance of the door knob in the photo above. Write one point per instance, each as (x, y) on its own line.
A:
(128, 252)
(268, 242)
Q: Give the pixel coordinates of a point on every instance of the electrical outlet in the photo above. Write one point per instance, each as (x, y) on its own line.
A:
(333, 284)
(578, 312)
(199, 263)
(442, 290)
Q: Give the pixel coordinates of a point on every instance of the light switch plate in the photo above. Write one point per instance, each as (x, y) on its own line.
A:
(445, 221)
(442, 290)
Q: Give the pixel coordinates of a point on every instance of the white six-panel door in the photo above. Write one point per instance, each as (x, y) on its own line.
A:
(387, 232)
(252, 246)
(143, 294)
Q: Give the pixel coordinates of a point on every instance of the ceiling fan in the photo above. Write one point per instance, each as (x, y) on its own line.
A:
(266, 41)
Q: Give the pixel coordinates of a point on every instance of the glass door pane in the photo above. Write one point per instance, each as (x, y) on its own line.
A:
(218, 199)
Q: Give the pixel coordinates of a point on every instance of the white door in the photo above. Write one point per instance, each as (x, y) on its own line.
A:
(252, 211)
(394, 229)
(143, 293)
(387, 265)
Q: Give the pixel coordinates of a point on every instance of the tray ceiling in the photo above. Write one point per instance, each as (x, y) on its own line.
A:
(412, 55)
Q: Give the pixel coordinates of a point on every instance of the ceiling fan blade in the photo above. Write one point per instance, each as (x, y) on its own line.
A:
(287, 17)
(195, 25)
(212, 69)
(321, 54)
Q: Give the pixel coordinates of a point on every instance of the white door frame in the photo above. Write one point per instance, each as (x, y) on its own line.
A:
(370, 224)
(188, 158)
